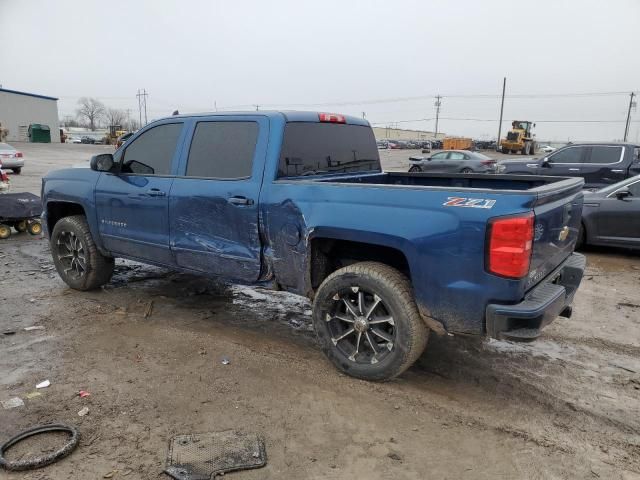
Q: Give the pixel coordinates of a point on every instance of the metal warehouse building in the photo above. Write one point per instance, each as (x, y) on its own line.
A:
(20, 110)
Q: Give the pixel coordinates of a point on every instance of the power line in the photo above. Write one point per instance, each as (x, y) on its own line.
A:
(461, 119)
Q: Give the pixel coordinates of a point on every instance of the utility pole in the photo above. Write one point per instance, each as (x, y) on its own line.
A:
(437, 105)
(215, 105)
(364, 115)
(628, 122)
(142, 104)
(504, 87)
(257, 107)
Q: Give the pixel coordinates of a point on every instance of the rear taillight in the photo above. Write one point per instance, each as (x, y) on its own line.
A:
(3, 177)
(18, 155)
(331, 118)
(510, 242)
(488, 162)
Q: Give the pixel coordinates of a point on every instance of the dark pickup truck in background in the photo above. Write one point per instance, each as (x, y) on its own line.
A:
(600, 164)
(298, 201)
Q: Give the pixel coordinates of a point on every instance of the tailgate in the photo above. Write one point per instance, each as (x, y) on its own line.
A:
(557, 225)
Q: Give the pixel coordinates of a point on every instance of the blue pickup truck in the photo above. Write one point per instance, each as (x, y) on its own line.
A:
(298, 201)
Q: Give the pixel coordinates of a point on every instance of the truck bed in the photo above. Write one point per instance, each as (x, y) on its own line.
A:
(457, 181)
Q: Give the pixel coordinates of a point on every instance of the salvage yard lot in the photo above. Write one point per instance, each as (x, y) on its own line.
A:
(149, 348)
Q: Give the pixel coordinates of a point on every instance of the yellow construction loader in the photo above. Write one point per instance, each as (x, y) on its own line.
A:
(519, 138)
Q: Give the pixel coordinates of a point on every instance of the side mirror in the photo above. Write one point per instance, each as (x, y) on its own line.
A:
(546, 162)
(624, 193)
(102, 162)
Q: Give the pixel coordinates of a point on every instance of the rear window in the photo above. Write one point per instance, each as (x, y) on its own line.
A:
(321, 148)
(604, 154)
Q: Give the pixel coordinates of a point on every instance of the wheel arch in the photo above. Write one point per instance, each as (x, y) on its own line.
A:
(56, 209)
(330, 250)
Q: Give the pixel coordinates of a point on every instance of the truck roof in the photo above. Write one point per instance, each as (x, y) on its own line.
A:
(289, 115)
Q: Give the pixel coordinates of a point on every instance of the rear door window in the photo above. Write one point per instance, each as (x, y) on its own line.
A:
(568, 155)
(222, 150)
(604, 154)
(152, 152)
(456, 156)
(310, 148)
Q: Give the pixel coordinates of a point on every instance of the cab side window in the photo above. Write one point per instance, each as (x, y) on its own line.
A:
(634, 188)
(152, 152)
(569, 155)
(223, 150)
(604, 154)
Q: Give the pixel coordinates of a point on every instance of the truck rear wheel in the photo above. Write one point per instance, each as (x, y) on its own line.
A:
(367, 321)
(76, 257)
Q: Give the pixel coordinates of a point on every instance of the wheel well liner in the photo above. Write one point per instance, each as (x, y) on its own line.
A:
(57, 210)
(329, 255)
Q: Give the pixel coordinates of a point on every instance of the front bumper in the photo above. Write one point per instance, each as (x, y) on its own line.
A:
(549, 299)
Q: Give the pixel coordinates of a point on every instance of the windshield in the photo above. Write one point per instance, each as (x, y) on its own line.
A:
(321, 148)
(616, 186)
(5, 146)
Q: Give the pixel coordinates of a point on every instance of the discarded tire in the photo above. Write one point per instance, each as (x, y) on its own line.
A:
(39, 462)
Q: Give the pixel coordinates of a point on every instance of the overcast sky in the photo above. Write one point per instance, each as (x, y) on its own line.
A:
(385, 58)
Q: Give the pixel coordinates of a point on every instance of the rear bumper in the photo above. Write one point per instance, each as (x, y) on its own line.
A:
(549, 299)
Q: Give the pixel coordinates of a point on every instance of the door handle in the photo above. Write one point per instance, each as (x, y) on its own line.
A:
(574, 169)
(617, 171)
(240, 201)
(155, 192)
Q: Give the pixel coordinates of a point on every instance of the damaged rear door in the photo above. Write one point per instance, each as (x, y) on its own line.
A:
(213, 205)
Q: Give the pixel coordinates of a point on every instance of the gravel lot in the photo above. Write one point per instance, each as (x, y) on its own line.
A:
(149, 347)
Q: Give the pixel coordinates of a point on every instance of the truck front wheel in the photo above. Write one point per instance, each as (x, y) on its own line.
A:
(367, 321)
(76, 257)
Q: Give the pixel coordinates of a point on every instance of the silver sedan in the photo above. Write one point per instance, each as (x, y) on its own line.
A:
(10, 158)
(453, 161)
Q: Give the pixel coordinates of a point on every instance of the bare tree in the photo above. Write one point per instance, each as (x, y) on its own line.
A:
(91, 110)
(115, 116)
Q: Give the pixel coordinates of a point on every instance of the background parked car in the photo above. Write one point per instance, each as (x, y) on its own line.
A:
(425, 146)
(453, 161)
(10, 158)
(548, 149)
(600, 164)
(87, 140)
(611, 215)
(73, 139)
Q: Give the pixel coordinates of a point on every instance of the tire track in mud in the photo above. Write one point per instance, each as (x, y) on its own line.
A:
(534, 396)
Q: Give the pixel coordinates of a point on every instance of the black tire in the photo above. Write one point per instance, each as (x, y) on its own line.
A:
(533, 148)
(414, 169)
(5, 231)
(34, 227)
(17, 170)
(76, 257)
(21, 226)
(391, 306)
(466, 170)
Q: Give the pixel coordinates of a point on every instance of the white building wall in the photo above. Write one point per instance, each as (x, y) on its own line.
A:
(18, 111)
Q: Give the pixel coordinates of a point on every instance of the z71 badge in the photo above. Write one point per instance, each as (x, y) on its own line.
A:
(469, 202)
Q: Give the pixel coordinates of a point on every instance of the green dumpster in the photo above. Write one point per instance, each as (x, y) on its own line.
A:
(39, 133)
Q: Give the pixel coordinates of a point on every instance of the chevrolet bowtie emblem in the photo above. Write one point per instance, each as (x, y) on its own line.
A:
(564, 233)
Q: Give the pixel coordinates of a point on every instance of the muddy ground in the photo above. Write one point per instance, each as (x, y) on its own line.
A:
(149, 349)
